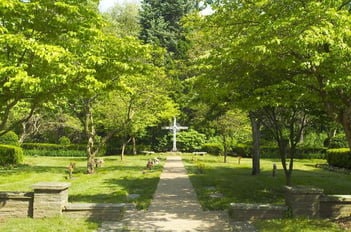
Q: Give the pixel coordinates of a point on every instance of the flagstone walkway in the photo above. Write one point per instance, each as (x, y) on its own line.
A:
(174, 207)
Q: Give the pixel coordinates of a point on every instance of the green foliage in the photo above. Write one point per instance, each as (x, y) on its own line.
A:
(200, 167)
(10, 155)
(55, 153)
(160, 24)
(10, 138)
(52, 147)
(242, 150)
(213, 148)
(301, 152)
(338, 141)
(42, 44)
(163, 143)
(190, 140)
(339, 157)
(64, 141)
(275, 56)
(314, 139)
(123, 19)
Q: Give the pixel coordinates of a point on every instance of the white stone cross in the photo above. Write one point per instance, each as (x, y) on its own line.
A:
(175, 128)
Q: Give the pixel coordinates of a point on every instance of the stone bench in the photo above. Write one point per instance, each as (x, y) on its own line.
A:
(200, 153)
(248, 212)
(100, 211)
(147, 152)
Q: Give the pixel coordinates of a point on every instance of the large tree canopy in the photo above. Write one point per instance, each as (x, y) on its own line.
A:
(160, 24)
(40, 45)
(291, 47)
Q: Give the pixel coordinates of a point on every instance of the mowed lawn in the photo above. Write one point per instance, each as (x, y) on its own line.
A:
(111, 183)
(209, 175)
(236, 183)
(116, 179)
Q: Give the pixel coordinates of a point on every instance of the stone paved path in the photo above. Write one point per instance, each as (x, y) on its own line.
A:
(174, 208)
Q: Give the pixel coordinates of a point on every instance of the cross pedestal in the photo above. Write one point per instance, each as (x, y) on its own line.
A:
(174, 128)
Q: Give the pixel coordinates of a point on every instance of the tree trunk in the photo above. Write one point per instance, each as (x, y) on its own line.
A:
(255, 126)
(288, 178)
(283, 145)
(123, 149)
(124, 145)
(345, 119)
(90, 133)
(24, 134)
(134, 146)
(225, 146)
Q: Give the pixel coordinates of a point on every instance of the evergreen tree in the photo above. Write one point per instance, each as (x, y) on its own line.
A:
(160, 24)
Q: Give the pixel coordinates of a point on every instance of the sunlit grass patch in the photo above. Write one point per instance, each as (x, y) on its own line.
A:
(297, 224)
(111, 183)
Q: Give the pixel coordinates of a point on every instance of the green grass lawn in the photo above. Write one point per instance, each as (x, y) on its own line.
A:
(110, 184)
(58, 224)
(116, 179)
(209, 174)
(237, 184)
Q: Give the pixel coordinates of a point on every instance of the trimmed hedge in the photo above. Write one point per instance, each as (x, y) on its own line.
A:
(10, 138)
(339, 157)
(57, 153)
(338, 141)
(53, 147)
(10, 155)
(273, 152)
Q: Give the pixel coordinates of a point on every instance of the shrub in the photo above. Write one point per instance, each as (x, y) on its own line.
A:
(314, 139)
(310, 153)
(339, 157)
(301, 152)
(52, 147)
(269, 152)
(10, 138)
(48, 149)
(213, 148)
(242, 150)
(190, 140)
(10, 155)
(64, 140)
(58, 153)
(338, 141)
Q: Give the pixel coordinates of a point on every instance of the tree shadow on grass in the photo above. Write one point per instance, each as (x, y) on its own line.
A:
(144, 186)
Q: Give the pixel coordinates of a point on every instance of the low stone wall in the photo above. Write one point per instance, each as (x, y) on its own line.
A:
(335, 206)
(249, 212)
(108, 212)
(50, 199)
(303, 200)
(16, 204)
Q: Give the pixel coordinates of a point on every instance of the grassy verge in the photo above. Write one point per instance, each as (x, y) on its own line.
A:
(236, 183)
(112, 183)
(47, 225)
(209, 175)
(298, 224)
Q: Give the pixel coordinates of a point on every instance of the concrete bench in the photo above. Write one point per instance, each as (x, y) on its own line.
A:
(147, 152)
(200, 153)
